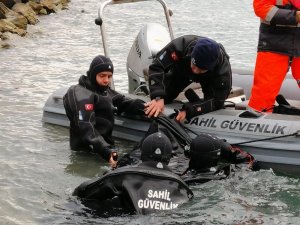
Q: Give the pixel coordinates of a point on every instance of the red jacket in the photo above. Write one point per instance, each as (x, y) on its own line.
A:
(279, 30)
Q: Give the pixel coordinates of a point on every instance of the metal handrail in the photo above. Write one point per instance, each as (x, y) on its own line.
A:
(99, 20)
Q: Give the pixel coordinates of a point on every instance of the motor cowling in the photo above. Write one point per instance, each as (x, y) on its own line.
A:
(151, 38)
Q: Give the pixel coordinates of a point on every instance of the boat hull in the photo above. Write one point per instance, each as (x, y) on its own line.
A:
(281, 153)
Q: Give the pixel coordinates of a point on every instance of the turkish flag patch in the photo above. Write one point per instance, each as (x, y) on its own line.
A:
(89, 107)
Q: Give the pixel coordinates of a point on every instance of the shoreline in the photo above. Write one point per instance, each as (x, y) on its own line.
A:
(16, 15)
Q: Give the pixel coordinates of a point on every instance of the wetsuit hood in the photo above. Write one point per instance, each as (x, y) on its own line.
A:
(86, 82)
(99, 64)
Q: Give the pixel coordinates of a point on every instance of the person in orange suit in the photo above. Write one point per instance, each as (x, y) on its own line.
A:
(278, 50)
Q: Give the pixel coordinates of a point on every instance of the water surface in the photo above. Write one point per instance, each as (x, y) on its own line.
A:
(38, 169)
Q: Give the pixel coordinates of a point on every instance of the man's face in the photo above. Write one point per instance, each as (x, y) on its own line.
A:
(104, 78)
(197, 70)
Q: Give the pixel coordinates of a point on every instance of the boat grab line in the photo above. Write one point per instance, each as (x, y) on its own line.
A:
(296, 134)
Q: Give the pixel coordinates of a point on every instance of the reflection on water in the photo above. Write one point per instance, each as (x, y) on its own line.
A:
(38, 169)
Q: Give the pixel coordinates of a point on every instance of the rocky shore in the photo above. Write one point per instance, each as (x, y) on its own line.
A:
(15, 15)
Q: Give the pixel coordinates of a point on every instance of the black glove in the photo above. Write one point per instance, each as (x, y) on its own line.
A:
(136, 107)
(132, 107)
(192, 110)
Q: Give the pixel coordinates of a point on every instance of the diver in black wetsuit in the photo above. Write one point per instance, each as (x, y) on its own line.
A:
(196, 160)
(147, 187)
(90, 106)
(184, 60)
(211, 158)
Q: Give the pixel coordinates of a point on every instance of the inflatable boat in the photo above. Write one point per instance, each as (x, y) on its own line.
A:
(273, 139)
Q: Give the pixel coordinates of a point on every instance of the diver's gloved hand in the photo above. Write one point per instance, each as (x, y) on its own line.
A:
(192, 110)
(132, 107)
(137, 107)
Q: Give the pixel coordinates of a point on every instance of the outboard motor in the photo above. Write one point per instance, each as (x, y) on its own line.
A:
(151, 38)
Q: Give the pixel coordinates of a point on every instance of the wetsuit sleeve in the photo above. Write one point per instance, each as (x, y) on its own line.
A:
(127, 105)
(270, 13)
(157, 72)
(169, 63)
(79, 105)
(216, 90)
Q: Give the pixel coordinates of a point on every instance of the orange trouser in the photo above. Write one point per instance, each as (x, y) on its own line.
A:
(270, 71)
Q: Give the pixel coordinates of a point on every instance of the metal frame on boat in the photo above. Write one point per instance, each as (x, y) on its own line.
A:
(273, 139)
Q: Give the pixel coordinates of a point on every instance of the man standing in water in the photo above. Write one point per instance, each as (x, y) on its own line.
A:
(90, 106)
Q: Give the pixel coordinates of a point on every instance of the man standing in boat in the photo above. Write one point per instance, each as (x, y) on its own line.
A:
(90, 106)
(278, 50)
(184, 60)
